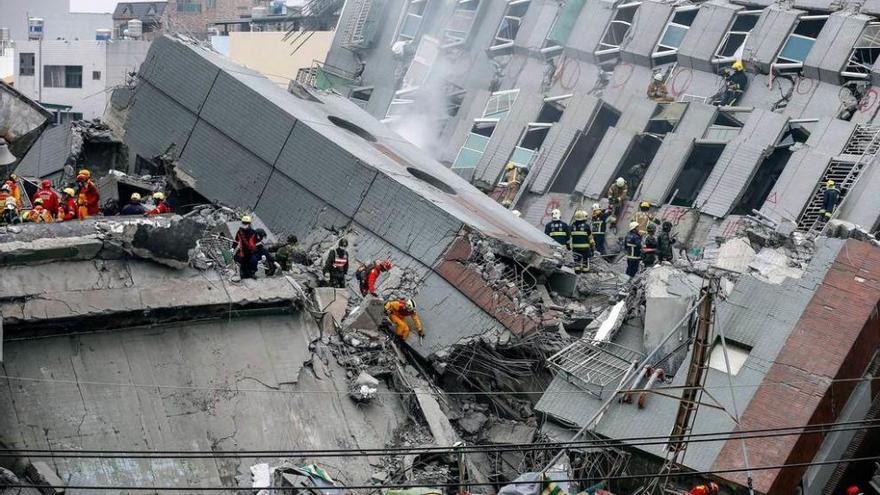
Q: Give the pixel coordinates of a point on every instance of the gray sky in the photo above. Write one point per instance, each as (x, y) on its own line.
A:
(92, 5)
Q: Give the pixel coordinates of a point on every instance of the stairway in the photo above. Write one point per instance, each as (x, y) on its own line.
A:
(862, 145)
(353, 33)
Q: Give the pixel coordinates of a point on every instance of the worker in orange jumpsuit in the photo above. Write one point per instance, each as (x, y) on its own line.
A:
(39, 214)
(710, 489)
(49, 197)
(16, 189)
(368, 276)
(398, 311)
(67, 208)
(161, 205)
(88, 197)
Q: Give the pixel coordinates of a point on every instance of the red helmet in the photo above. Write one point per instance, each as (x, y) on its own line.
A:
(853, 490)
(47, 183)
(385, 265)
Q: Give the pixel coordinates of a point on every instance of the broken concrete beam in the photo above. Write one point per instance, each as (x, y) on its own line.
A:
(367, 316)
(510, 433)
(333, 302)
(439, 425)
(564, 282)
(48, 250)
(41, 474)
(169, 243)
(609, 322)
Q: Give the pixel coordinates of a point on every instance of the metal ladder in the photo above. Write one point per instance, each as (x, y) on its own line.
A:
(353, 35)
(865, 142)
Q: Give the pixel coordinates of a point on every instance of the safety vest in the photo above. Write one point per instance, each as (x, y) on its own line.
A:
(598, 226)
(580, 235)
(339, 262)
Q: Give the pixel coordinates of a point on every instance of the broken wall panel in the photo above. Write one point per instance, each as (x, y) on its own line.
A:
(650, 22)
(737, 164)
(705, 35)
(832, 48)
(48, 155)
(768, 36)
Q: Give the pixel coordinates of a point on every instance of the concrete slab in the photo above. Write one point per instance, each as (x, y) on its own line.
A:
(439, 425)
(663, 308)
(48, 250)
(510, 433)
(735, 255)
(333, 301)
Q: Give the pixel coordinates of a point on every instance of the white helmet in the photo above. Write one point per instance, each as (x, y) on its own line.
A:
(516, 213)
(556, 214)
(620, 182)
(657, 76)
(596, 206)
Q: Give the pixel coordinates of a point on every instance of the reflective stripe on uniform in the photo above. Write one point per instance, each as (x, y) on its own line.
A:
(558, 233)
(632, 251)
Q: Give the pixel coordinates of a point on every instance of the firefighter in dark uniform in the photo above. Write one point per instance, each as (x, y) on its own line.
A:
(829, 199)
(650, 249)
(336, 264)
(581, 241)
(557, 229)
(599, 227)
(633, 245)
(665, 241)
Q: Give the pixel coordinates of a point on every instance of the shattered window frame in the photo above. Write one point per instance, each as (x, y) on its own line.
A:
(668, 48)
(609, 44)
(784, 63)
(497, 107)
(735, 31)
(508, 28)
(563, 25)
(462, 17)
(864, 53)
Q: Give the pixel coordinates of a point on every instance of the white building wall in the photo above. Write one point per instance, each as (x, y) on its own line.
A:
(59, 22)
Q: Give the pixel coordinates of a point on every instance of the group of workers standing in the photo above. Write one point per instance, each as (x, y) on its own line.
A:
(586, 235)
(249, 247)
(72, 204)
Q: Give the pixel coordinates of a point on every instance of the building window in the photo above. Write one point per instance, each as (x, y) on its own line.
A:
(799, 43)
(864, 53)
(505, 36)
(674, 34)
(471, 152)
(62, 76)
(616, 31)
(189, 6)
(735, 39)
(25, 64)
(96, 75)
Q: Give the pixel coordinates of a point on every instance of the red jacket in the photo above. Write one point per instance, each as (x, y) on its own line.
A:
(49, 197)
(161, 208)
(67, 209)
(372, 277)
(245, 242)
(88, 197)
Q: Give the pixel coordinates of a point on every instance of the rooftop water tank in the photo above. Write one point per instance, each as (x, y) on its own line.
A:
(35, 28)
(4, 35)
(135, 29)
(103, 34)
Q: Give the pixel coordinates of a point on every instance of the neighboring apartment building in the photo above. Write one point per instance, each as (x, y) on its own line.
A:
(559, 89)
(150, 14)
(59, 21)
(74, 78)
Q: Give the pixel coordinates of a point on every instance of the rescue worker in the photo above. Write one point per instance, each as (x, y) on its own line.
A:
(853, 490)
(87, 196)
(15, 189)
(664, 242)
(599, 226)
(513, 177)
(633, 249)
(9, 214)
(336, 264)
(517, 213)
(829, 199)
(290, 253)
(557, 229)
(48, 195)
(261, 252)
(710, 489)
(39, 214)
(735, 84)
(134, 206)
(368, 275)
(582, 243)
(244, 248)
(398, 311)
(651, 247)
(67, 208)
(644, 217)
(6, 192)
(657, 90)
(618, 193)
(161, 206)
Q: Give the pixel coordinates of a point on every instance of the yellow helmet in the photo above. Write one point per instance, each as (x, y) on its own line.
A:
(135, 196)
(644, 204)
(159, 196)
(738, 65)
(69, 191)
(85, 173)
(580, 215)
(38, 201)
(246, 219)
(830, 183)
(510, 165)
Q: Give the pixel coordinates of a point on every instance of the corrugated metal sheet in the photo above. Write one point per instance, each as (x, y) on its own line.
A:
(48, 154)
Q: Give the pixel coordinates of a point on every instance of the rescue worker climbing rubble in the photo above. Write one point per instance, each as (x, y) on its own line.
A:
(513, 178)
(290, 253)
(830, 197)
(15, 189)
(87, 196)
(161, 206)
(735, 84)
(67, 208)
(618, 193)
(244, 248)
(633, 245)
(398, 311)
(368, 275)
(599, 226)
(582, 243)
(336, 264)
(557, 229)
(48, 195)
(262, 253)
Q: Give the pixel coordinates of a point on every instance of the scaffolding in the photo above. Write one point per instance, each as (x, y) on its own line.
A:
(595, 367)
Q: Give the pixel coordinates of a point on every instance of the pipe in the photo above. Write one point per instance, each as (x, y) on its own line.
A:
(646, 372)
(658, 375)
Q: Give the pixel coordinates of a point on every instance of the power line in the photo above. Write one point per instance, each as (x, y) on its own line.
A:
(453, 485)
(623, 442)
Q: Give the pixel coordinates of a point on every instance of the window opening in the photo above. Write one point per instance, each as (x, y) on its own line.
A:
(562, 26)
(496, 108)
(26, 63)
(460, 24)
(864, 53)
(616, 32)
(412, 20)
(583, 149)
(725, 128)
(737, 354)
(769, 171)
(673, 35)
(509, 27)
(734, 41)
(799, 43)
(696, 171)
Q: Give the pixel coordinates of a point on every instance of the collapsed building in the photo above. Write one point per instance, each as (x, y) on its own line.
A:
(129, 334)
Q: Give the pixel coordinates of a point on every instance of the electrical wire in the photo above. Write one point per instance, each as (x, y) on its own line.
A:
(619, 442)
(452, 485)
